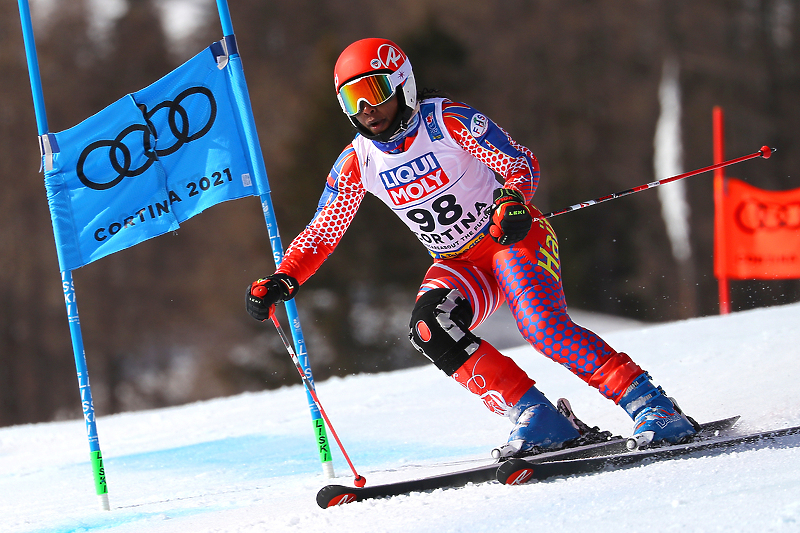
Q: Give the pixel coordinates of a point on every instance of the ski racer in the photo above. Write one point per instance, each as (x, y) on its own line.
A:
(433, 163)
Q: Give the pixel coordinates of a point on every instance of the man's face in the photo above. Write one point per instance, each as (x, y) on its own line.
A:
(377, 118)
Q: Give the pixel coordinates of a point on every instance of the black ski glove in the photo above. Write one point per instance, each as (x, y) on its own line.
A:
(263, 294)
(511, 219)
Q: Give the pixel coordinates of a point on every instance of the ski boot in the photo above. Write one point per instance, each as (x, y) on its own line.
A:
(657, 417)
(539, 426)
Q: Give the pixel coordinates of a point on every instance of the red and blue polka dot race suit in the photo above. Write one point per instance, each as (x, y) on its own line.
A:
(439, 179)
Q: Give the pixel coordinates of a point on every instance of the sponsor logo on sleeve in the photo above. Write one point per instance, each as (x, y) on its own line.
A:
(478, 125)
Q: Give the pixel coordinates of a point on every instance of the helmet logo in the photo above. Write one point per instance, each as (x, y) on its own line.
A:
(388, 57)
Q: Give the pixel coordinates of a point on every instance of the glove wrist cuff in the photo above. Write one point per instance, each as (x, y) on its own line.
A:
(288, 285)
(503, 195)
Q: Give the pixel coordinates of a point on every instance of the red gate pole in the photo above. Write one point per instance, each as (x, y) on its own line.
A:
(719, 221)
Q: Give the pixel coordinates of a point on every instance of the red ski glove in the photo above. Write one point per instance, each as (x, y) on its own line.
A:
(511, 219)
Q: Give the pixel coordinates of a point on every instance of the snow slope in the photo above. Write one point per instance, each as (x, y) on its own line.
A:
(247, 463)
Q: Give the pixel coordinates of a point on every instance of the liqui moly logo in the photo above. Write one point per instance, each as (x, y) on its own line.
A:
(414, 180)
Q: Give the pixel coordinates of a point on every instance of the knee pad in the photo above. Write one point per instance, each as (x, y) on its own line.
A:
(440, 329)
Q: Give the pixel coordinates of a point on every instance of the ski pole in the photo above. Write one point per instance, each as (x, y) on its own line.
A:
(359, 480)
(765, 152)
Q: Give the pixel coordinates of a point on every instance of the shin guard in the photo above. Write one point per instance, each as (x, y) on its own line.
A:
(497, 379)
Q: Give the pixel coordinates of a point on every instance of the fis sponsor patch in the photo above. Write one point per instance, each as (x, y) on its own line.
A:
(478, 125)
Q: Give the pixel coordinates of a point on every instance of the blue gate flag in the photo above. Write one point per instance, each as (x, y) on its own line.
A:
(148, 162)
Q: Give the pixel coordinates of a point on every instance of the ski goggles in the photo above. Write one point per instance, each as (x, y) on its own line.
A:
(374, 89)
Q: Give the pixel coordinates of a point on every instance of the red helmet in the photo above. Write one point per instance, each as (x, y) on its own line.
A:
(371, 71)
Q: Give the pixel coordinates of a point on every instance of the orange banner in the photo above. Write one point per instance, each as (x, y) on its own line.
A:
(756, 233)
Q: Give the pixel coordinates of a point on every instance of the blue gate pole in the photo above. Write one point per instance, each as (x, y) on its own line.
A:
(257, 159)
(66, 276)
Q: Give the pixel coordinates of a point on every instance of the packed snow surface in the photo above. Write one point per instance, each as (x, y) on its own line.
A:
(249, 463)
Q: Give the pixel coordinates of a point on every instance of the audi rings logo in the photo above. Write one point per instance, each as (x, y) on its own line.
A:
(753, 215)
(118, 153)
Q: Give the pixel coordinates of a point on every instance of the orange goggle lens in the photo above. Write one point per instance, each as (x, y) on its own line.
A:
(374, 90)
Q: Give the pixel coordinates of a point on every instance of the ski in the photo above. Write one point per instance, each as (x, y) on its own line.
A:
(618, 445)
(520, 471)
(333, 495)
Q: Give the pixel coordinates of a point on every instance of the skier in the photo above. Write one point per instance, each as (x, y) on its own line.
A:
(433, 162)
